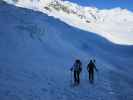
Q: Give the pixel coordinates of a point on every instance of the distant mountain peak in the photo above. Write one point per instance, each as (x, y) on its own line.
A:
(88, 14)
(114, 24)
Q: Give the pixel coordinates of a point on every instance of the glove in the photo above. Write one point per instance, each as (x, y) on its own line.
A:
(71, 69)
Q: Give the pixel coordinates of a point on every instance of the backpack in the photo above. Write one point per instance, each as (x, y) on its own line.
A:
(77, 67)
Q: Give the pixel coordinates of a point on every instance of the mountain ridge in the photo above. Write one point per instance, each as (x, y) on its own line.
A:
(115, 24)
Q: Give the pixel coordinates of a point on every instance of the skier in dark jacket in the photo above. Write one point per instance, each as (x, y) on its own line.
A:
(90, 68)
(77, 68)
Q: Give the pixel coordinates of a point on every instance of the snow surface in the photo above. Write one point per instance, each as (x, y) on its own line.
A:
(114, 24)
(37, 51)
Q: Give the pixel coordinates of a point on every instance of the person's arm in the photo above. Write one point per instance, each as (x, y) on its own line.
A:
(80, 66)
(95, 67)
(88, 67)
(71, 69)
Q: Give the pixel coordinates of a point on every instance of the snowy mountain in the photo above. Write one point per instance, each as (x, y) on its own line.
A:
(114, 24)
(37, 51)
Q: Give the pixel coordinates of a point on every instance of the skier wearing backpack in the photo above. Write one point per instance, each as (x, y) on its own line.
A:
(90, 68)
(76, 69)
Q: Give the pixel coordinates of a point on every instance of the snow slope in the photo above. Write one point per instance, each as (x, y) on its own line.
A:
(114, 24)
(37, 51)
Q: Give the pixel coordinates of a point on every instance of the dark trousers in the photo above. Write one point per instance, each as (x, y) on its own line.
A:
(76, 77)
(91, 76)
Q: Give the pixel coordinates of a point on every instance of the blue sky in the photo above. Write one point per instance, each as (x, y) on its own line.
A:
(128, 4)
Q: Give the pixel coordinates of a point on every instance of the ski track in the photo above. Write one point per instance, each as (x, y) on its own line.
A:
(50, 87)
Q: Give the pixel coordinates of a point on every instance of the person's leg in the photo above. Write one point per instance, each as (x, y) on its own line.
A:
(78, 78)
(92, 75)
(89, 75)
(91, 79)
(75, 77)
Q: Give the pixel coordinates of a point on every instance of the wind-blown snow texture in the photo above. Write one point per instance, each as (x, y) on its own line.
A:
(37, 51)
(115, 24)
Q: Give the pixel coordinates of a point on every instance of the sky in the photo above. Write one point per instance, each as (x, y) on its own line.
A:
(128, 4)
